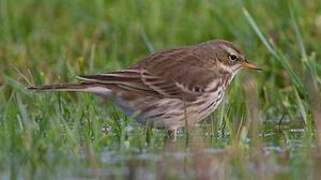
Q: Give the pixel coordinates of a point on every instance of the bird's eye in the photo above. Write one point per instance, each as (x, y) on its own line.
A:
(232, 57)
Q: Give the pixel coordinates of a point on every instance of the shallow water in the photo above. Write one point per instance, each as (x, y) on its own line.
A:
(195, 158)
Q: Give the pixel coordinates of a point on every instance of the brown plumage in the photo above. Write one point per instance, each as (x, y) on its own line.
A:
(167, 87)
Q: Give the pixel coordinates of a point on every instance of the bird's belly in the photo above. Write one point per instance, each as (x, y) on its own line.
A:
(206, 104)
(159, 113)
(171, 112)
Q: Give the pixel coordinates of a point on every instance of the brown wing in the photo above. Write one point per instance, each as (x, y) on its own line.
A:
(126, 80)
(187, 69)
(175, 73)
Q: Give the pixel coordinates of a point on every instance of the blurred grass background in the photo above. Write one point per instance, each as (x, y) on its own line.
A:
(268, 127)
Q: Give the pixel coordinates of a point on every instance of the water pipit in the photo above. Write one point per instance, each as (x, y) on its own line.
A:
(168, 88)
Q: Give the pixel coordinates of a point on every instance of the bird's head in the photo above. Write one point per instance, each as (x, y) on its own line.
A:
(229, 57)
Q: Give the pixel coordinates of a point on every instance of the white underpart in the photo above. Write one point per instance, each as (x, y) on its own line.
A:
(215, 96)
(101, 91)
(172, 109)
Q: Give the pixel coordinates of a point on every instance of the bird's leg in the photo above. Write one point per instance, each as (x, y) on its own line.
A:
(148, 133)
(172, 133)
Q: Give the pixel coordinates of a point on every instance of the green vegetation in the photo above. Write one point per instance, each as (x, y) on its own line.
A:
(268, 127)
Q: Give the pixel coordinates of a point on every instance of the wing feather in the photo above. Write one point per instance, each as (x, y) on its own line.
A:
(172, 74)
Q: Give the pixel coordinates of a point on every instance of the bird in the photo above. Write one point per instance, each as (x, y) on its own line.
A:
(169, 88)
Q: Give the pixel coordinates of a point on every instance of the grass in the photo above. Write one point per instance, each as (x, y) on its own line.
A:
(268, 127)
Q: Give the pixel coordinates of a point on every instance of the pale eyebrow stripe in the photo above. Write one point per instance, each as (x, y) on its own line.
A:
(230, 50)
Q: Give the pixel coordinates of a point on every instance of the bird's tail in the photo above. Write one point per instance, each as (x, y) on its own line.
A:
(59, 87)
(73, 87)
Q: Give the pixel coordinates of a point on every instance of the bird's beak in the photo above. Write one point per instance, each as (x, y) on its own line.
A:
(249, 65)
